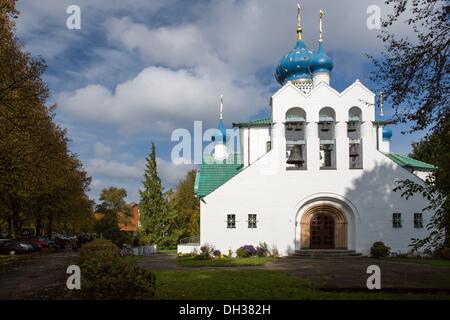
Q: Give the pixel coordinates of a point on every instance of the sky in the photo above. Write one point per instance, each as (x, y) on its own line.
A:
(138, 69)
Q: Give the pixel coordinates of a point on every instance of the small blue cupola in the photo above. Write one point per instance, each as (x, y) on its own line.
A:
(387, 133)
(320, 61)
(223, 132)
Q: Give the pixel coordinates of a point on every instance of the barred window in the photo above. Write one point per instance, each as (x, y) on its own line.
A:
(252, 221)
(418, 220)
(231, 221)
(396, 220)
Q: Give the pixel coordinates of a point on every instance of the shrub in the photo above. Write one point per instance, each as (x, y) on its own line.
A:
(379, 250)
(262, 250)
(275, 253)
(246, 251)
(217, 253)
(106, 275)
(99, 249)
(206, 252)
(442, 253)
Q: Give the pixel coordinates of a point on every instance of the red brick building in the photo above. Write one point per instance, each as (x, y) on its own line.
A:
(130, 224)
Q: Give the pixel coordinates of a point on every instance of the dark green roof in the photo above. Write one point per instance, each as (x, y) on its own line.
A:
(254, 123)
(405, 161)
(215, 173)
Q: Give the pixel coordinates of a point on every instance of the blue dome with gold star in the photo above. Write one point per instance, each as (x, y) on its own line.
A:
(295, 65)
(320, 61)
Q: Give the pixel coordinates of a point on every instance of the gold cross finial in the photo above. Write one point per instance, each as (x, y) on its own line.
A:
(299, 27)
(321, 24)
(221, 107)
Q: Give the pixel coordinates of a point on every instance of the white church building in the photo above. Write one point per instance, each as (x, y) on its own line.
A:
(318, 174)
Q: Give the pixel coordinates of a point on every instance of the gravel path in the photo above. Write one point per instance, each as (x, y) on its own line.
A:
(37, 276)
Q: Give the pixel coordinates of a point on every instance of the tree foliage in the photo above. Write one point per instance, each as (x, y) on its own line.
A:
(111, 206)
(413, 73)
(41, 182)
(157, 220)
(187, 206)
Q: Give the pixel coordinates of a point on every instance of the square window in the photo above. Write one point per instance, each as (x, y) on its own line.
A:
(418, 220)
(396, 220)
(231, 221)
(252, 221)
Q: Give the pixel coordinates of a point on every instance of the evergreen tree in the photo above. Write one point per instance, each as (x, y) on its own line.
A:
(155, 217)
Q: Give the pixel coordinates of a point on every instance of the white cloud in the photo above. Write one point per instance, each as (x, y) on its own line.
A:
(115, 170)
(160, 99)
(101, 150)
(129, 175)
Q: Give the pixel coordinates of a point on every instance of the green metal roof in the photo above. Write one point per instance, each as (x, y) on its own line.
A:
(254, 123)
(405, 161)
(215, 173)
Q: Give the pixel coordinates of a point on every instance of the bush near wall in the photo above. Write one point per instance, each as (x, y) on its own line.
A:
(107, 275)
(379, 250)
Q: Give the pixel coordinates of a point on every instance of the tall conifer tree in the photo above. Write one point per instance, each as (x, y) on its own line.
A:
(156, 220)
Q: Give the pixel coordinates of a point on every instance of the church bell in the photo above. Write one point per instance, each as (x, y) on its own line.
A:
(351, 126)
(353, 151)
(296, 156)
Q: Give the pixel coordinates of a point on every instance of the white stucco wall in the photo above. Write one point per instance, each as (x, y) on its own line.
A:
(279, 196)
(253, 143)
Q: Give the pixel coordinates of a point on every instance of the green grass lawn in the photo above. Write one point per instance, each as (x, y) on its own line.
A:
(253, 284)
(233, 262)
(167, 251)
(432, 262)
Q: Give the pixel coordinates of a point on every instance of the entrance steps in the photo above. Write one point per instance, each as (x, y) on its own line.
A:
(324, 254)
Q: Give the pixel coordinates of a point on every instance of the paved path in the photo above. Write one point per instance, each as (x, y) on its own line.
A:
(350, 273)
(36, 276)
(160, 261)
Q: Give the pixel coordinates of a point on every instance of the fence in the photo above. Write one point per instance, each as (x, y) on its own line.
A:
(193, 241)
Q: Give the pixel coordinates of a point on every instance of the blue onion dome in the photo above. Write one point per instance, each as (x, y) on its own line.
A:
(320, 61)
(295, 65)
(223, 132)
(387, 133)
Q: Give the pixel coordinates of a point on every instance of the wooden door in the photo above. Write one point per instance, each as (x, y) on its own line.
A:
(322, 232)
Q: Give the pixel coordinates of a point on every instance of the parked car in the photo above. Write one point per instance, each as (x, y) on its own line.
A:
(8, 246)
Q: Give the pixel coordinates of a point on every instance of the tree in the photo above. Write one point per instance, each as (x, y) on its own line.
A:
(156, 219)
(414, 74)
(41, 181)
(187, 206)
(112, 205)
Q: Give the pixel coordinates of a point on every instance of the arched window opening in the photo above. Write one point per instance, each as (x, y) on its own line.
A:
(354, 136)
(295, 139)
(327, 121)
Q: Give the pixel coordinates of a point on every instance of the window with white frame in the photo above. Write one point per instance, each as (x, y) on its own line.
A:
(252, 221)
(231, 221)
(418, 220)
(396, 220)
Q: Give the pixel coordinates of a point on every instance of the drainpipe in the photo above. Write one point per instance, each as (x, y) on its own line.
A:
(248, 145)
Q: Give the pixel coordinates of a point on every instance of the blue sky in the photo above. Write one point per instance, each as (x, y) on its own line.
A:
(138, 69)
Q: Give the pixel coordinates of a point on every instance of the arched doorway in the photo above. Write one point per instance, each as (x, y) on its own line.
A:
(323, 226)
(322, 231)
